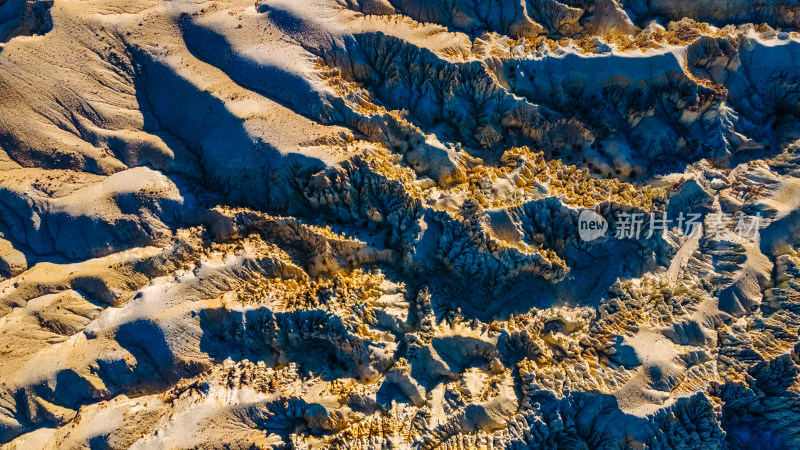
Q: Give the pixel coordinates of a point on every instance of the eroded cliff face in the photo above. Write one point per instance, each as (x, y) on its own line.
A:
(355, 224)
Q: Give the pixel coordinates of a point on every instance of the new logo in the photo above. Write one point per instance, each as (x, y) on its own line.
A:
(591, 225)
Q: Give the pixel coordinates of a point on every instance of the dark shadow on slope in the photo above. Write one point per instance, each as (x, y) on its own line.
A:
(24, 18)
(448, 357)
(288, 416)
(155, 363)
(763, 413)
(778, 14)
(316, 340)
(48, 232)
(441, 96)
(272, 82)
(234, 163)
(586, 285)
(152, 370)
